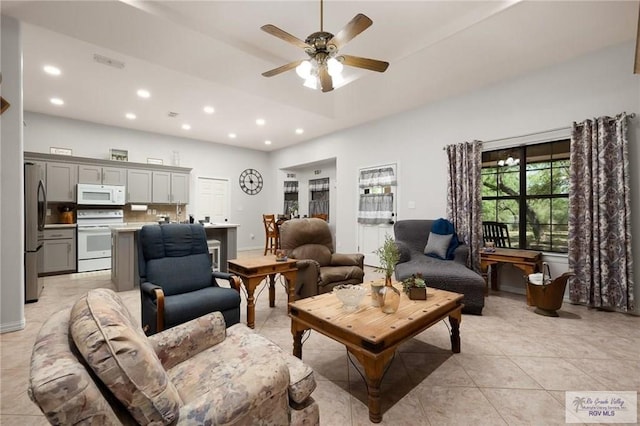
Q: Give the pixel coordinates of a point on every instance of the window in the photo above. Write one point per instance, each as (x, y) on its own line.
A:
(319, 200)
(528, 189)
(377, 186)
(291, 198)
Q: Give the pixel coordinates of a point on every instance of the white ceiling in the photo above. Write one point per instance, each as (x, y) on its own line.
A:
(192, 53)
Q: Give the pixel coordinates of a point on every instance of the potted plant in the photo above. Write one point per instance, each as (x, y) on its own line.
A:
(388, 255)
(415, 287)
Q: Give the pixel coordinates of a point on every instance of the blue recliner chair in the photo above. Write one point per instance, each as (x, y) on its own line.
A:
(176, 281)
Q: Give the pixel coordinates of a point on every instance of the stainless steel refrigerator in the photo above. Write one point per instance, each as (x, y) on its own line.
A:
(35, 210)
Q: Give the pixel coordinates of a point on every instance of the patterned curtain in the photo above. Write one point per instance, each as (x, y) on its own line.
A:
(464, 196)
(600, 215)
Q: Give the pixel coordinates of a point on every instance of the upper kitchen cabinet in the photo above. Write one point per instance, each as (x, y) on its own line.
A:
(161, 187)
(61, 182)
(139, 184)
(180, 188)
(101, 175)
(169, 187)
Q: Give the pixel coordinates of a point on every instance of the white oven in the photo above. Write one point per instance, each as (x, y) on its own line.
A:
(94, 238)
(100, 195)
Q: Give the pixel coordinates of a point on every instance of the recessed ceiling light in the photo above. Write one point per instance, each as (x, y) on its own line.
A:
(233, 135)
(260, 121)
(267, 142)
(130, 116)
(209, 109)
(299, 131)
(186, 126)
(143, 93)
(50, 69)
(56, 101)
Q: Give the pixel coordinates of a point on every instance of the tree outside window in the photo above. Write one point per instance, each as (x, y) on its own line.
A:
(528, 189)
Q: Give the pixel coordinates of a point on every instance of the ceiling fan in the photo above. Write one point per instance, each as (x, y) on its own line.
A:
(325, 62)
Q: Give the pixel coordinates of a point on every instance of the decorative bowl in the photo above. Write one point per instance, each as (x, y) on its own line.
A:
(350, 295)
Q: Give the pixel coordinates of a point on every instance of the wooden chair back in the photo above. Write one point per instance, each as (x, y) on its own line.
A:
(496, 232)
(322, 216)
(272, 236)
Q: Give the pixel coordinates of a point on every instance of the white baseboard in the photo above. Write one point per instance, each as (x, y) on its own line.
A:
(12, 326)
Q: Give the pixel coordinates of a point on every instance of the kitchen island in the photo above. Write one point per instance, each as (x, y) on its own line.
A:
(124, 250)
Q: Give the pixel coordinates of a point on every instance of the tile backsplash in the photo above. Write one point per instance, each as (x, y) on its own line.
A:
(129, 215)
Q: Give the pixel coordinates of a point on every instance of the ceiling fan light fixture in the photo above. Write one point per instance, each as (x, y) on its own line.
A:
(334, 67)
(304, 69)
(311, 82)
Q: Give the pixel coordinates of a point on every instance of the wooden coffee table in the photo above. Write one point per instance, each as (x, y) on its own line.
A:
(253, 270)
(371, 335)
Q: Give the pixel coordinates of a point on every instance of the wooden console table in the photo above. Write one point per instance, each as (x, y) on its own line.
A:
(527, 261)
(253, 270)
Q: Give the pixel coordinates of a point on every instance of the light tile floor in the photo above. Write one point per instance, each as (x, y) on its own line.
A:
(514, 368)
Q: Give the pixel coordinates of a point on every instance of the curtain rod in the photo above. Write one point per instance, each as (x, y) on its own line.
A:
(557, 129)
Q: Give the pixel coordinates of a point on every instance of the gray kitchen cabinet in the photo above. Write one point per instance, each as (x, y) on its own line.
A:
(89, 173)
(58, 251)
(169, 187)
(180, 188)
(61, 182)
(124, 259)
(139, 184)
(161, 187)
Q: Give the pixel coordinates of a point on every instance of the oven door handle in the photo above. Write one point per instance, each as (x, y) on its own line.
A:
(96, 228)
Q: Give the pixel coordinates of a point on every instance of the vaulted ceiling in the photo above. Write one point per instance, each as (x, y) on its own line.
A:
(189, 54)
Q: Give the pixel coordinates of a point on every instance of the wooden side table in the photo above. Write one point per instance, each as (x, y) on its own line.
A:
(528, 261)
(252, 271)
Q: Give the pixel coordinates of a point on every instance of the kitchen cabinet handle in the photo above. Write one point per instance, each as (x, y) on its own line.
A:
(54, 236)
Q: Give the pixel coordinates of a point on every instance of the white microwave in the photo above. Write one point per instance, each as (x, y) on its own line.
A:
(100, 195)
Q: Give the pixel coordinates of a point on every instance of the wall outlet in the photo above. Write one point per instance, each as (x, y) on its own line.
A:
(48, 212)
(154, 211)
(411, 205)
(149, 211)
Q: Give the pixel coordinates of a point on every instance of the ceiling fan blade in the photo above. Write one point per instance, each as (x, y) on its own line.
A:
(357, 25)
(325, 79)
(281, 34)
(279, 70)
(636, 69)
(366, 63)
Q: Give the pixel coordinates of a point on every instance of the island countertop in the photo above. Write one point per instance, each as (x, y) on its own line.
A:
(136, 226)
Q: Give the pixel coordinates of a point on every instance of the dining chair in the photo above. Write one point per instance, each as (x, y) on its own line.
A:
(496, 232)
(272, 236)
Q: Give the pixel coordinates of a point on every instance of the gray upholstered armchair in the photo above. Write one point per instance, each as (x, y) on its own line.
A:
(176, 282)
(319, 267)
(92, 365)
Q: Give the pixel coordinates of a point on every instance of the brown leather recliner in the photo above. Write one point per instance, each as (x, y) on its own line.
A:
(319, 267)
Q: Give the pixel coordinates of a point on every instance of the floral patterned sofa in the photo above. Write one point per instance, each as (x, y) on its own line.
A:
(93, 365)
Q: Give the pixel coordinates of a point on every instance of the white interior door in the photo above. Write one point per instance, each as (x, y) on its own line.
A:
(212, 199)
(372, 235)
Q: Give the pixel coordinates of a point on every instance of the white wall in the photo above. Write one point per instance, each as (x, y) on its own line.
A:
(597, 84)
(11, 182)
(206, 159)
